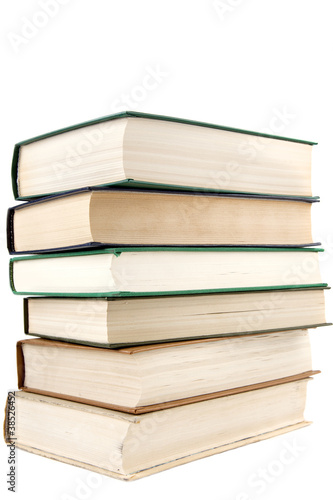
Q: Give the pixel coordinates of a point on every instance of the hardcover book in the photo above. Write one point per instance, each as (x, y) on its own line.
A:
(98, 218)
(136, 149)
(128, 446)
(147, 378)
(112, 322)
(167, 270)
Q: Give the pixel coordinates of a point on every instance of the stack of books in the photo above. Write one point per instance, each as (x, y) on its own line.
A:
(174, 281)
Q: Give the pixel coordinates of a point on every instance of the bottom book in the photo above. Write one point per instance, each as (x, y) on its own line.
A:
(129, 446)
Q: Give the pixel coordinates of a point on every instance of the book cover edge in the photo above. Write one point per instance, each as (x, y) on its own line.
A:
(126, 294)
(139, 410)
(127, 345)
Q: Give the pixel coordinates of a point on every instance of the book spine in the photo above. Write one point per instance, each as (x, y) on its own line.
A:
(15, 171)
(10, 231)
(26, 315)
(20, 364)
(11, 277)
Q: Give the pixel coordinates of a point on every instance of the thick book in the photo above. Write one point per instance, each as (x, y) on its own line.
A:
(128, 447)
(114, 322)
(132, 218)
(136, 149)
(164, 270)
(148, 378)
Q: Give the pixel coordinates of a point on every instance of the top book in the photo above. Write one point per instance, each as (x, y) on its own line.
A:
(134, 149)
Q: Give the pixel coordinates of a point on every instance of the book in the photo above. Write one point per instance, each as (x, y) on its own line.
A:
(136, 149)
(128, 446)
(144, 270)
(127, 218)
(112, 322)
(142, 379)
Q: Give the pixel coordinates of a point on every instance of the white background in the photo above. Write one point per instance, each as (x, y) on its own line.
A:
(240, 66)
